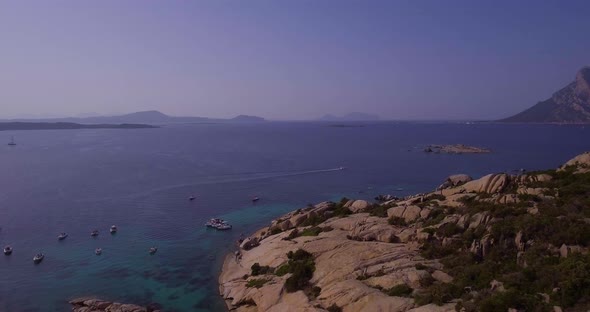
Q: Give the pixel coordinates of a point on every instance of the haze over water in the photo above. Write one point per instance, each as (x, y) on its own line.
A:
(140, 180)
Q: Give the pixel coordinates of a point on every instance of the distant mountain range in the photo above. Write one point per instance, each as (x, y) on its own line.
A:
(146, 117)
(568, 105)
(354, 116)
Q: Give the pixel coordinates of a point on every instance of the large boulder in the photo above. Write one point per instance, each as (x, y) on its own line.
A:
(455, 180)
(411, 213)
(491, 183)
(359, 205)
(480, 218)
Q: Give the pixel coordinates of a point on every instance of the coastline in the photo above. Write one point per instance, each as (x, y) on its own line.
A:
(369, 257)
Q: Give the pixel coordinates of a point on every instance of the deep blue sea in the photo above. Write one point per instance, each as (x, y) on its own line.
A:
(140, 180)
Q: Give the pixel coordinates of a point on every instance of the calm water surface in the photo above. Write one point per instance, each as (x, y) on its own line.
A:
(79, 180)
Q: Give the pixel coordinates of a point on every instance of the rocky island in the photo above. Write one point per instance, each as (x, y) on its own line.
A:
(498, 243)
(455, 149)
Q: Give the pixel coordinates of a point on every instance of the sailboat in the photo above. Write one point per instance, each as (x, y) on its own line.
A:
(12, 143)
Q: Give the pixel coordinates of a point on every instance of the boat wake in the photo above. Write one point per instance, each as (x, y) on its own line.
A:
(217, 179)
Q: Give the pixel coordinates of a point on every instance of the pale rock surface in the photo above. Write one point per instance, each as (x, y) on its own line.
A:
(582, 162)
(339, 261)
(358, 205)
(491, 183)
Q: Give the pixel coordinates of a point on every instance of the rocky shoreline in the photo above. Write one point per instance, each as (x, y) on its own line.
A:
(359, 256)
(95, 305)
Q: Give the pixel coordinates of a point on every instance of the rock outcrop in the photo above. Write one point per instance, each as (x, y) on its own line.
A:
(455, 180)
(96, 305)
(581, 163)
(455, 149)
(568, 105)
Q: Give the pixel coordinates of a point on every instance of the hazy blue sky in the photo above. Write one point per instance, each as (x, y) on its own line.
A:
(288, 59)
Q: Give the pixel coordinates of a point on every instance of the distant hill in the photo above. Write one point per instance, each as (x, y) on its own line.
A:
(247, 118)
(568, 105)
(64, 125)
(145, 117)
(354, 116)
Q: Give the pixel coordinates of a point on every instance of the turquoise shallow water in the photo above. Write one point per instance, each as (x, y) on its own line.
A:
(140, 180)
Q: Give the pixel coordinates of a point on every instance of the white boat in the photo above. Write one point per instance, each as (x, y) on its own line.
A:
(153, 250)
(98, 251)
(62, 236)
(94, 233)
(38, 258)
(113, 229)
(255, 199)
(7, 250)
(218, 224)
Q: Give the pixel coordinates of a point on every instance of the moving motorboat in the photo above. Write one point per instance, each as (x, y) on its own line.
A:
(7, 250)
(153, 250)
(113, 229)
(62, 236)
(98, 251)
(218, 224)
(94, 233)
(38, 258)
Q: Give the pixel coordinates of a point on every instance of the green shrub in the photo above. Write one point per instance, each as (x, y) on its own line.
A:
(282, 270)
(448, 230)
(301, 266)
(313, 220)
(312, 231)
(378, 211)
(397, 221)
(435, 217)
(257, 269)
(256, 282)
(401, 290)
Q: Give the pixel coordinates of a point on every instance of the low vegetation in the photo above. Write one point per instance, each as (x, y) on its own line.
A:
(531, 272)
(257, 269)
(301, 265)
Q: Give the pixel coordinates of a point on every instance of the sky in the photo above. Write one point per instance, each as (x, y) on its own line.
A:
(279, 59)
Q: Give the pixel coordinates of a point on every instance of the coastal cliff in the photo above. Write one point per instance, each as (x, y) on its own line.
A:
(489, 244)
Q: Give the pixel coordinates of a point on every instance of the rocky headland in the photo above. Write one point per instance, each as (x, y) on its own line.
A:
(498, 243)
(455, 149)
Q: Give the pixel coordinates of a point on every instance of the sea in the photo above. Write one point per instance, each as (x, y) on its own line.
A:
(76, 181)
